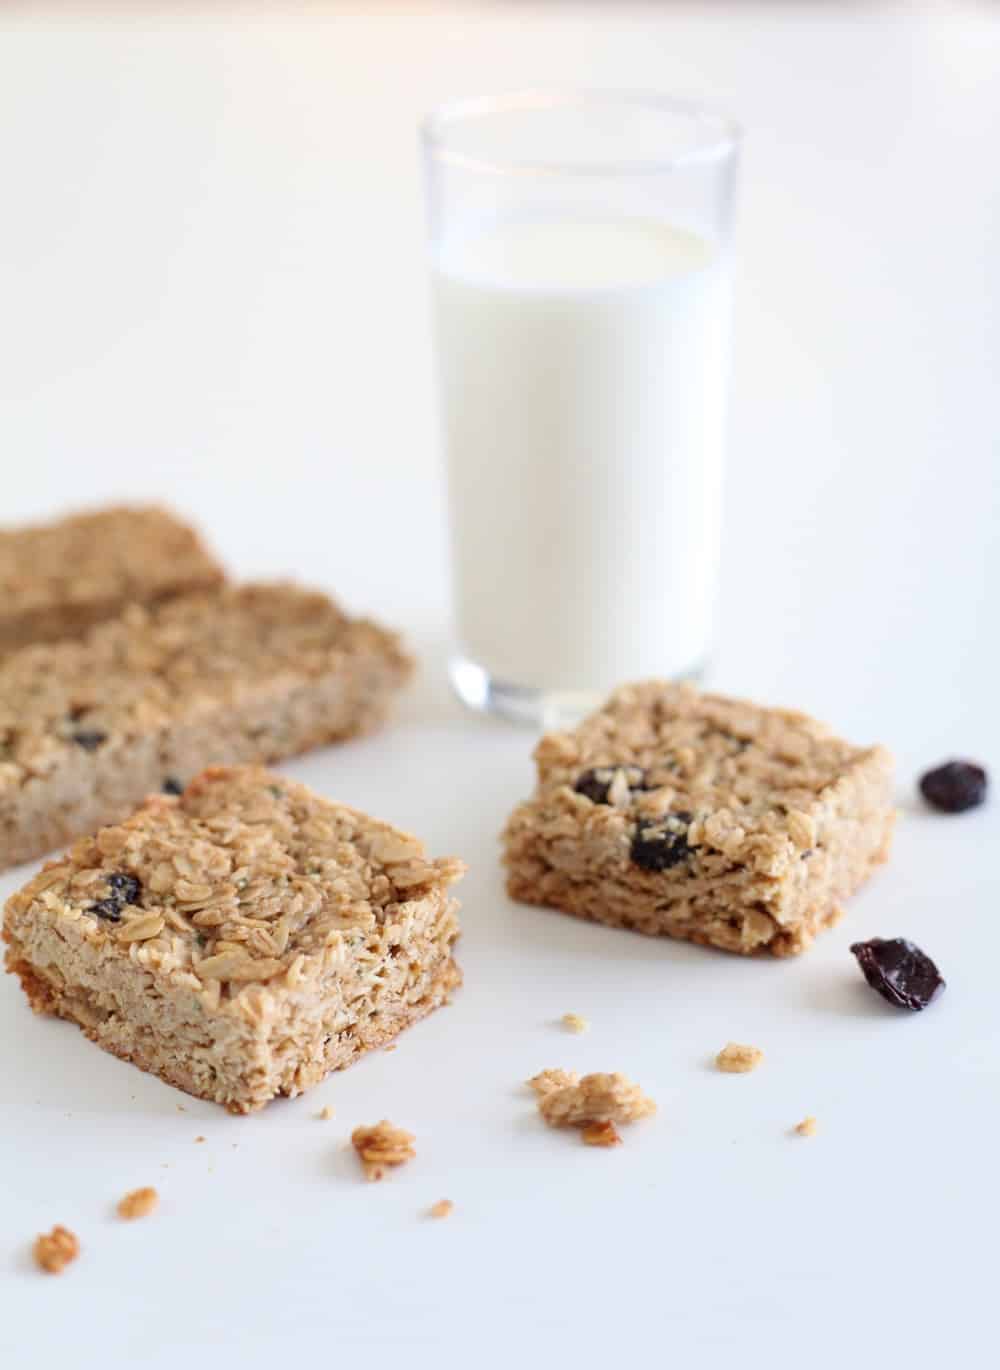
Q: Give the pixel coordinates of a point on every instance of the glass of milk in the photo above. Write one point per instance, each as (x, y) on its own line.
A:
(581, 270)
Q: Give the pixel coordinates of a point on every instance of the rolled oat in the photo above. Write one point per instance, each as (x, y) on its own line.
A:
(139, 1203)
(601, 1134)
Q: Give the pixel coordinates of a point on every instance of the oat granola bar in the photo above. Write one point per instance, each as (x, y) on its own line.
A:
(240, 940)
(256, 673)
(59, 579)
(694, 816)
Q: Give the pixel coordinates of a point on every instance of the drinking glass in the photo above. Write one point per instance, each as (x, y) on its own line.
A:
(580, 246)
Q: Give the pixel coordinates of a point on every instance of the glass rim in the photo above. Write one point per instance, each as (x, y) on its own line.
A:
(438, 122)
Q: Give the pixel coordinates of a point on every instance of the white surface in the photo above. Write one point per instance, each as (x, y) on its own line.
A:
(212, 287)
(584, 370)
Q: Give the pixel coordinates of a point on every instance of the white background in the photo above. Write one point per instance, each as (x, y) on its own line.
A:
(212, 290)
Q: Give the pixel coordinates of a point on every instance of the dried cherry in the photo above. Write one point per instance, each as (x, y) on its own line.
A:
(899, 971)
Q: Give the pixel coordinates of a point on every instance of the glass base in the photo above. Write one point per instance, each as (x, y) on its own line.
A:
(545, 709)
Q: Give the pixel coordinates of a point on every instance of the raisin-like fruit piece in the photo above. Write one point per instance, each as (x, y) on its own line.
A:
(899, 971)
(109, 909)
(171, 785)
(596, 783)
(89, 738)
(955, 786)
(661, 843)
(125, 888)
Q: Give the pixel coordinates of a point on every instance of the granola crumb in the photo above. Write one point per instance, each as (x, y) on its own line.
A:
(199, 1139)
(54, 1250)
(442, 1209)
(391, 1047)
(548, 1080)
(381, 1146)
(139, 1203)
(601, 1134)
(181, 1108)
(736, 1059)
(325, 1113)
(807, 1128)
(574, 1023)
(565, 1101)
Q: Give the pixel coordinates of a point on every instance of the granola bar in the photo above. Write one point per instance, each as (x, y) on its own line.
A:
(694, 816)
(240, 940)
(256, 673)
(59, 579)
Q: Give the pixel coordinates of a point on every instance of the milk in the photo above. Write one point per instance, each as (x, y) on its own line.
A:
(583, 372)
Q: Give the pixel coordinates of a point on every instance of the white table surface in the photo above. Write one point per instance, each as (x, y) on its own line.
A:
(211, 290)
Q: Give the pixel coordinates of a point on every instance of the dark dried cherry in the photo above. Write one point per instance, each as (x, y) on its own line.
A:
(899, 971)
(125, 887)
(109, 909)
(171, 785)
(955, 786)
(661, 843)
(596, 782)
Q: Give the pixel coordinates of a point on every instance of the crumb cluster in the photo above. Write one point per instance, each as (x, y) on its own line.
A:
(566, 1100)
(139, 1203)
(737, 1059)
(54, 1250)
(382, 1146)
